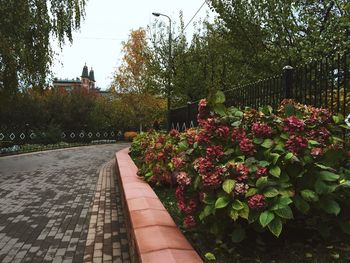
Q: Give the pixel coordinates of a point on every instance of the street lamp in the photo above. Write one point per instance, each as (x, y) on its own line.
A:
(169, 69)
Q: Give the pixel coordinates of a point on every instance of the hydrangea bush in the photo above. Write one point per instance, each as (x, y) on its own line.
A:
(254, 169)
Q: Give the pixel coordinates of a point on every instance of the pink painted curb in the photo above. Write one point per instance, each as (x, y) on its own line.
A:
(153, 235)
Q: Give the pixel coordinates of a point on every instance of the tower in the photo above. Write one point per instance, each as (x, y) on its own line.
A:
(92, 79)
(85, 82)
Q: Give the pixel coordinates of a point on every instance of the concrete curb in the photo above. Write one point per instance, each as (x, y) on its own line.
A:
(153, 235)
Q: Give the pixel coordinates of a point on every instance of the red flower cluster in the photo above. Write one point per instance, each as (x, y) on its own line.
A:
(247, 147)
(213, 179)
(261, 130)
(223, 132)
(317, 152)
(203, 165)
(178, 162)
(214, 152)
(238, 134)
(296, 144)
(321, 134)
(183, 179)
(202, 137)
(174, 133)
(189, 221)
(203, 110)
(261, 171)
(293, 124)
(256, 201)
(242, 171)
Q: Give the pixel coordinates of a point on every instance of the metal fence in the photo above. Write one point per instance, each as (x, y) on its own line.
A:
(323, 83)
(9, 138)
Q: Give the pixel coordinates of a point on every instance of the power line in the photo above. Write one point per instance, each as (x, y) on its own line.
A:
(199, 9)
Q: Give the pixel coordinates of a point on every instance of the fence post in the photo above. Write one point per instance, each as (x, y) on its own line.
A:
(188, 115)
(288, 81)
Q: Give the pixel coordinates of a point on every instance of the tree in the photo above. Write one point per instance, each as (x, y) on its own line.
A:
(26, 27)
(273, 33)
(130, 76)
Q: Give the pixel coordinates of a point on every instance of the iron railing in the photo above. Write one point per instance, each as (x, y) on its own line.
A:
(323, 83)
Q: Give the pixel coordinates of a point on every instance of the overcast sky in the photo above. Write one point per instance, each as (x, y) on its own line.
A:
(107, 24)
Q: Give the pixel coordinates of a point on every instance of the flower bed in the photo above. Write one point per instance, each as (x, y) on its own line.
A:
(253, 172)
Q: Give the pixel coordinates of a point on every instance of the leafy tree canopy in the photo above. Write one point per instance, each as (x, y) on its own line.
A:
(26, 27)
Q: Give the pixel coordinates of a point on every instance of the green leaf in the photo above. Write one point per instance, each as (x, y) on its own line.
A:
(309, 195)
(275, 226)
(209, 199)
(258, 140)
(196, 182)
(324, 167)
(228, 185)
(229, 151)
(271, 192)
(222, 202)
(147, 175)
(313, 143)
(288, 156)
(267, 143)
(238, 235)
(208, 209)
(237, 205)
(210, 256)
(323, 188)
(261, 182)
(275, 171)
(220, 109)
(328, 176)
(219, 97)
(266, 217)
(289, 110)
(275, 157)
(264, 163)
(251, 191)
(183, 146)
(239, 114)
(281, 202)
(330, 206)
(301, 204)
(244, 213)
(285, 212)
(234, 214)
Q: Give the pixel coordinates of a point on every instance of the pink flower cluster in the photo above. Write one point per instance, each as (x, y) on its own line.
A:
(261, 130)
(296, 144)
(214, 152)
(246, 146)
(178, 162)
(189, 220)
(214, 178)
(242, 171)
(261, 171)
(203, 110)
(183, 179)
(238, 134)
(256, 201)
(223, 132)
(241, 188)
(293, 124)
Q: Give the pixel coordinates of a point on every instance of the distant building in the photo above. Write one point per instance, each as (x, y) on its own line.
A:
(87, 82)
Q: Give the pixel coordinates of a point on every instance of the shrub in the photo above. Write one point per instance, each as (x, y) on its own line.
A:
(130, 135)
(255, 169)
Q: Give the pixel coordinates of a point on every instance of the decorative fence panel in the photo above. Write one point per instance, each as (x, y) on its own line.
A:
(323, 83)
(9, 138)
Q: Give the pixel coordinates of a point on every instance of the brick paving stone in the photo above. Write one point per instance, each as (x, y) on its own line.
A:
(106, 237)
(47, 200)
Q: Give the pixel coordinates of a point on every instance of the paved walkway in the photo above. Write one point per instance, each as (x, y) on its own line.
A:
(46, 206)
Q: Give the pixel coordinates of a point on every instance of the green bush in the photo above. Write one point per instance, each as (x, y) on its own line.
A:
(254, 170)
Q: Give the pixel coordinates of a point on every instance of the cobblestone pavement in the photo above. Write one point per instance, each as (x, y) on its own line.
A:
(46, 204)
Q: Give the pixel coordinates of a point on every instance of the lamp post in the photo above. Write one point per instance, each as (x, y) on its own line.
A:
(169, 70)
